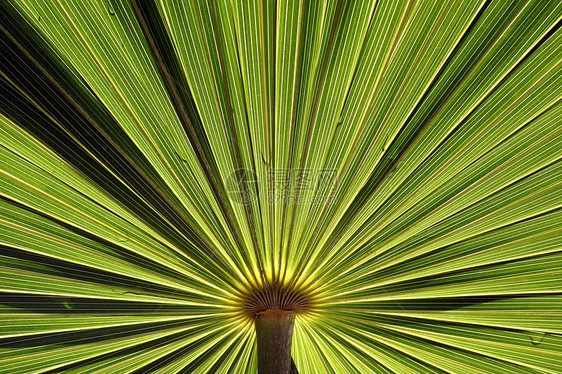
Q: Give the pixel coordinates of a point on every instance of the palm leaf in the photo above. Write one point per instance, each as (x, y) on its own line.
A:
(387, 170)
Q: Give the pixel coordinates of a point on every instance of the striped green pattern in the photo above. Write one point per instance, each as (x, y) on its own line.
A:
(393, 168)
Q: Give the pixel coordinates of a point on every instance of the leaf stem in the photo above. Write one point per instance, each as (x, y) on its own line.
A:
(274, 332)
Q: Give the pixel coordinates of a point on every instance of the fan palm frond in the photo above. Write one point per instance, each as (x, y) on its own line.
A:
(386, 173)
